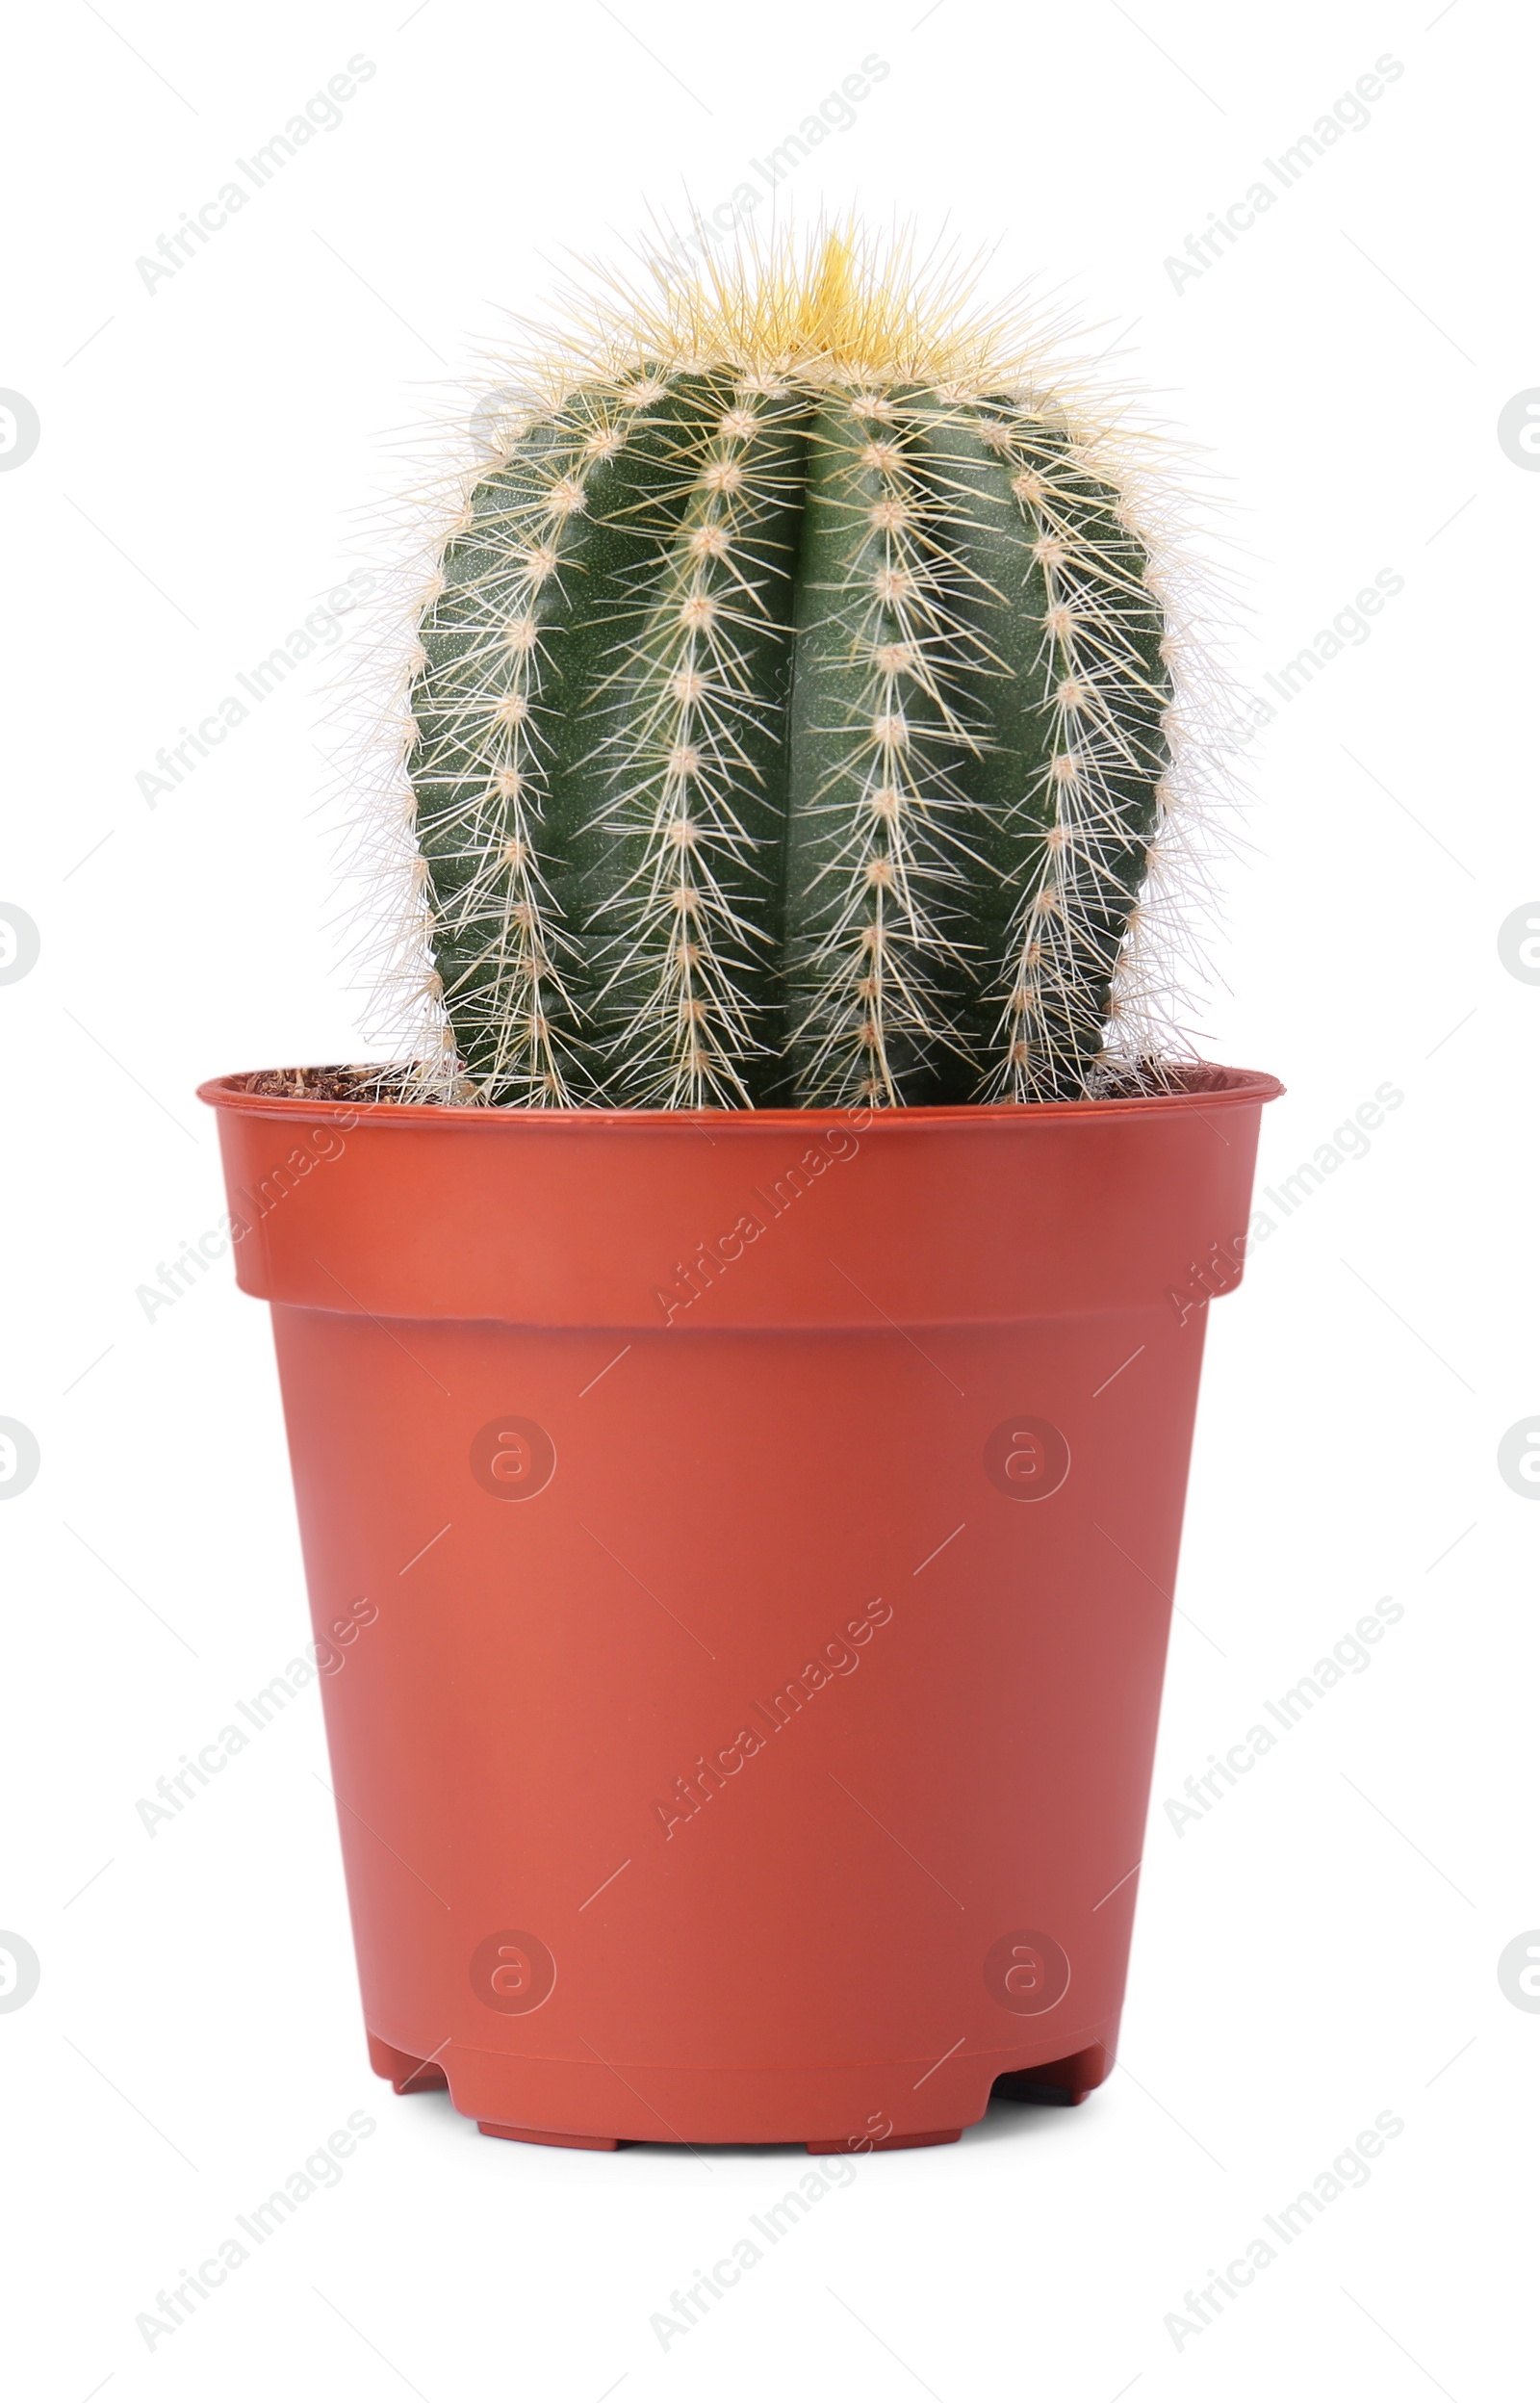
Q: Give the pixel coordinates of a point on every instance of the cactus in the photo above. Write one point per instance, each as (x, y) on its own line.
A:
(789, 715)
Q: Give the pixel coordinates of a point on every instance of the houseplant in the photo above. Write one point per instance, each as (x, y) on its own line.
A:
(748, 1351)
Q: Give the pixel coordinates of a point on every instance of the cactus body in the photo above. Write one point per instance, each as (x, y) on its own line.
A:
(788, 731)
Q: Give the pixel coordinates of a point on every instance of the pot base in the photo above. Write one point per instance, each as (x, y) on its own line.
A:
(549, 2135)
(1067, 2080)
(884, 2144)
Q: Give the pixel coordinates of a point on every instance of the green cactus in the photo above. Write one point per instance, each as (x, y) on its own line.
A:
(788, 721)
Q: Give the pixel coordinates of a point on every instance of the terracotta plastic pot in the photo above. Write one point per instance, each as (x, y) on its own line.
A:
(742, 1549)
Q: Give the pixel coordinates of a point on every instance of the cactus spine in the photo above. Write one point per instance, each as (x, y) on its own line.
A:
(789, 723)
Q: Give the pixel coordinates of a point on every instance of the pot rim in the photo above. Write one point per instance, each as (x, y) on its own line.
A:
(1232, 1086)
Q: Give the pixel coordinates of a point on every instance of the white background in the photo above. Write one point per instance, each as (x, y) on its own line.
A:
(1322, 1945)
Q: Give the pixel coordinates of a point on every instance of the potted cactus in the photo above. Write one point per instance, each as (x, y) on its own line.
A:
(744, 1359)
